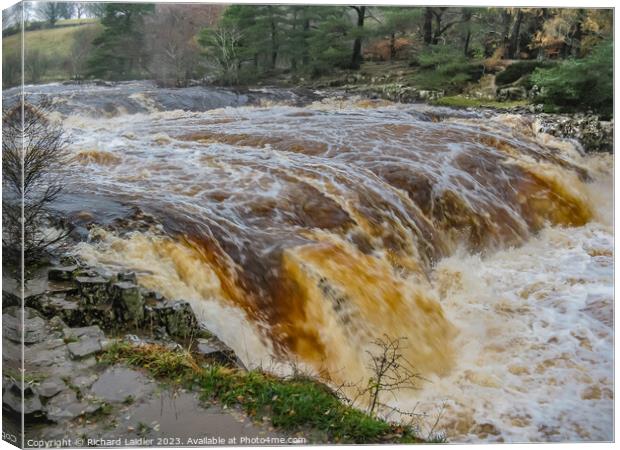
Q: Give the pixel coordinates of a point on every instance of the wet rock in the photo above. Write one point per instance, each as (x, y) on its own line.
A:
(86, 341)
(116, 384)
(50, 387)
(9, 299)
(177, 316)
(51, 353)
(57, 324)
(66, 406)
(101, 315)
(59, 306)
(215, 350)
(427, 95)
(69, 260)
(512, 93)
(84, 381)
(92, 290)
(33, 329)
(151, 297)
(92, 331)
(31, 405)
(128, 276)
(128, 301)
(64, 273)
(593, 134)
(139, 341)
(84, 347)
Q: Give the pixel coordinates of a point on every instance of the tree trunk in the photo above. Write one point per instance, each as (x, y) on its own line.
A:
(466, 46)
(574, 46)
(467, 19)
(428, 26)
(392, 46)
(274, 38)
(437, 28)
(513, 41)
(274, 45)
(356, 59)
(306, 56)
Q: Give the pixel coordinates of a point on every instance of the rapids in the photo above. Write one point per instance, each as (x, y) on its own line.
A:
(302, 234)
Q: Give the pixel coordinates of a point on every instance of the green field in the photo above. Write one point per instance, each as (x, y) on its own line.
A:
(52, 46)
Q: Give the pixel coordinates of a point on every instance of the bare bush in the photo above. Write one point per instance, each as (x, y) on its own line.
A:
(171, 41)
(37, 64)
(33, 152)
(391, 371)
(80, 51)
(11, 70)
(222, 48)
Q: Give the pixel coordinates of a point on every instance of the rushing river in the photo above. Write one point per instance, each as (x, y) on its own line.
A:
(304, 233)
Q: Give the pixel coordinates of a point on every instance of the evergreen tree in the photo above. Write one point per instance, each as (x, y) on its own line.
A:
(120, 52)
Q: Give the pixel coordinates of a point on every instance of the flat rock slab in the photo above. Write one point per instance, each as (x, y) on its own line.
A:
(50, 387)
(66, 406)
(30, 406)
(64, 273)
(92, 331)
(116, 384)
(214, 350)
(31, 327)
(84, 347)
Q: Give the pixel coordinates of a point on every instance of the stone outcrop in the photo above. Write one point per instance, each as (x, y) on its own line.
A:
(63, 336)
(593, 134)
(79, 296)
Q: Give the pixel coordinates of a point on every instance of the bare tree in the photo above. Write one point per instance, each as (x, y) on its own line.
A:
(80, 50)
(96, 9)
(51, 12)
(391, 371)
(80, 10)
(12, 16)
(222, 50)
(36, 65)
(170, 35)
(33, 152)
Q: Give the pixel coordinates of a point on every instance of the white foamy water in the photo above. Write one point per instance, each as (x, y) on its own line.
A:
(535, 341)
(309, 232)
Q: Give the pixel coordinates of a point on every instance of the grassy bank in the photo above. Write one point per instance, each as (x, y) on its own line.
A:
(295, 404)
(458, 101)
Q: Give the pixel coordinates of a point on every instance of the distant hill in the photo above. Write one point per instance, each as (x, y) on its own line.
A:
(51, 53)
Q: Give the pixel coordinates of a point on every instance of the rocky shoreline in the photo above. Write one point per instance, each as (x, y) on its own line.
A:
(594, 135)
(71, 319)
(587, 128)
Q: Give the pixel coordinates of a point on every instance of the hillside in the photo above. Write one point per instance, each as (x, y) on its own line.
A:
(49, 52)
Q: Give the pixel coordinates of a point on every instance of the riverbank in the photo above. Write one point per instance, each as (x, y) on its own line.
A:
(103, 354)
(396, 82)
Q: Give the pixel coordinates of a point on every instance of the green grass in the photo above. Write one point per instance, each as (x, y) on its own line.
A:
(29, 377)
(71, 22)
(54, 43)
(458, 101)
(293, 404)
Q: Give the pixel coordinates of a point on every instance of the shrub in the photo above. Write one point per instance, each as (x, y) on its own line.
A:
(445, 68)
(33, 154)
(578, 84)
(37, 65)
(519, 69)
(11, 70)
